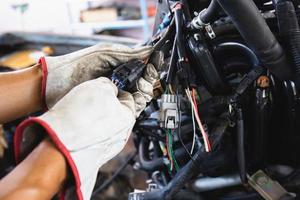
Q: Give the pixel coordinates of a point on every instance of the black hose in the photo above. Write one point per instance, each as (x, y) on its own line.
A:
(149, 123)
(157, 163)
(289, 29)
(255, 31)
(210, 14)
(187, 195)
(241, 146)
(147, 163)
(228, 46)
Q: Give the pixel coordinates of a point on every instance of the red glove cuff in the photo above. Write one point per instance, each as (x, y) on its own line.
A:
(43, 63)
(18, 137)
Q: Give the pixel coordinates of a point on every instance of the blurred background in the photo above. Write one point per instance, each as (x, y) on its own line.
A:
(128, 18)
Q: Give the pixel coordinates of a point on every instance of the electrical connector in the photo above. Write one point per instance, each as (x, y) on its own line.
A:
(126, 75)
(168, 112)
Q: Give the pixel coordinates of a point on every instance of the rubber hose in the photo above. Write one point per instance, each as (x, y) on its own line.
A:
(146, 163)
(187, 195)
(210, 14)
(255, 31)
(289, 29)
(158, 162)
(227, 46)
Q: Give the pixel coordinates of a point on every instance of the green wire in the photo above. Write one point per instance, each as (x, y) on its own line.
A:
(169, 153)
(167, 90)
(171, 150)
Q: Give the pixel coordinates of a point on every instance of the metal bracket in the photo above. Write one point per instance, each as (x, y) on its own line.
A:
(210, 32)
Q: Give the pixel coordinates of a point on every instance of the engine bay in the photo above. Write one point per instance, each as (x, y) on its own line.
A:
(224, 121)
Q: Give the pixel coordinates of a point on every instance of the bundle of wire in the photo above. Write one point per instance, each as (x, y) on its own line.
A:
(195, 113)
(169, 142)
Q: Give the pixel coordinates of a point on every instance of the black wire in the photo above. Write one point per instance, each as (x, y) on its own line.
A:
(186, 9)
(114, 176)
(179, 34)
(167, 35)
(178, 45)
(169, 6)
(179, 126)
(172, 64)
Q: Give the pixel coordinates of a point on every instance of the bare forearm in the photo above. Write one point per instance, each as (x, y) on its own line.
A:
(20, 93)
(39, 177)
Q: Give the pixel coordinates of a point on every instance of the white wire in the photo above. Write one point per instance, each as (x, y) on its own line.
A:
(194, 125)
(198, 121)
(194, 130)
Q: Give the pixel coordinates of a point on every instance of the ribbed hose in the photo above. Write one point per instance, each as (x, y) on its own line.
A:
(255, 31)
(295, 50)
(289, 29)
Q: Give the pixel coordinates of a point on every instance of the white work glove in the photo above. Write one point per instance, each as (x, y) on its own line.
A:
(62, 73)
(144, 86)
(89, 125)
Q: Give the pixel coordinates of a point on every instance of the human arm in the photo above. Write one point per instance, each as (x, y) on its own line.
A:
(80, 125)
(89, 126)
(41, 86)
(38, 177)
(20, 93)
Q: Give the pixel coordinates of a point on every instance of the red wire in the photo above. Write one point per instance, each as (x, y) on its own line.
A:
(196, 111)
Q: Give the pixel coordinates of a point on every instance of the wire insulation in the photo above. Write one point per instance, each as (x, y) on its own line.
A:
(193, 101)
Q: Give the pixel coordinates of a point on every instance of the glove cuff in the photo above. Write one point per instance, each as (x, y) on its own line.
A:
(19, 136)
(44, 67)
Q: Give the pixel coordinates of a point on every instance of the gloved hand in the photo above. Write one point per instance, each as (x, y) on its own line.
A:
(144, 86)
(89, 125)
(62, 73)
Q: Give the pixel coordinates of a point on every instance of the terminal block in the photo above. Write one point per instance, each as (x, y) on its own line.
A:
(168, 112)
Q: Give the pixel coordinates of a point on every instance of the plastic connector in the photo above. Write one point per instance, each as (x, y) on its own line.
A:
(168, 112)
(126, 75)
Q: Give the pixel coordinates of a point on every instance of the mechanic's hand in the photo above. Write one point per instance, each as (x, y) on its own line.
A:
(89, 125)
(144, 86)
(62, 73)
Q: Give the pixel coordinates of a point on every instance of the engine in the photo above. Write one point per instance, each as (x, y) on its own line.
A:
(225, 120)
